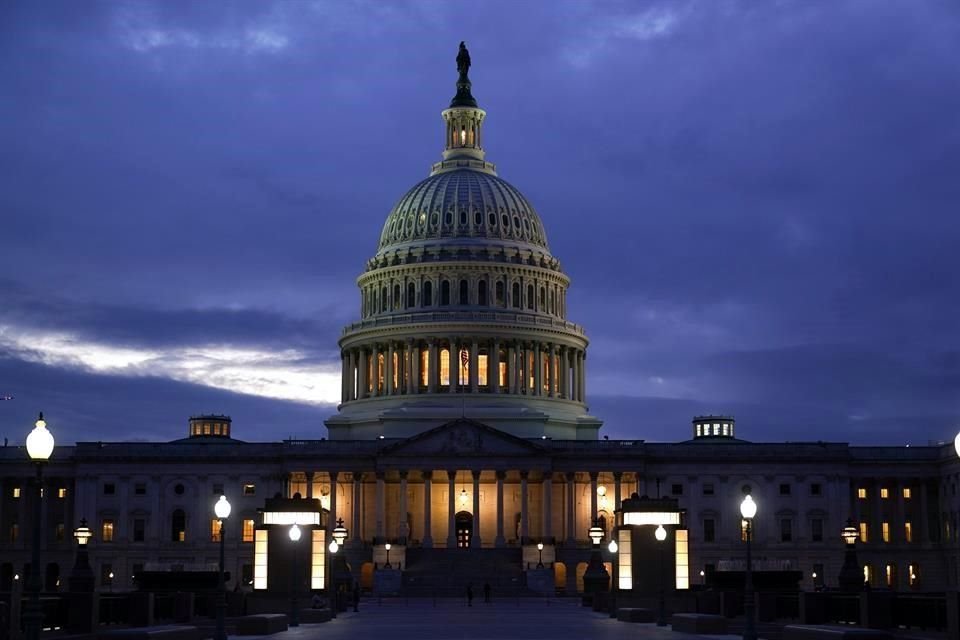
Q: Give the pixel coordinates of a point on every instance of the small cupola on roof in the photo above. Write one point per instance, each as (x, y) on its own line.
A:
(713, 427)
(210, 426)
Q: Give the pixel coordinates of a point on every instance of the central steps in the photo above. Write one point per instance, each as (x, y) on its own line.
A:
(447, 572)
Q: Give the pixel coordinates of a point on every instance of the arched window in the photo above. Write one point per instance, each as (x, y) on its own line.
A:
(178, 526)
(445, 293)
(482, 293)
(501, 302)
(530, 296)
(444, 367)
(516, 295)
(411, 296)
(464, 292)
(383, 299)
(427, 298)
(396, 297)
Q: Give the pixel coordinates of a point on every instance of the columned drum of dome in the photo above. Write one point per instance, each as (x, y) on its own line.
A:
(463, 308)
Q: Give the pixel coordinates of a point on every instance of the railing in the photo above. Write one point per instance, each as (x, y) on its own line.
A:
(401, 319)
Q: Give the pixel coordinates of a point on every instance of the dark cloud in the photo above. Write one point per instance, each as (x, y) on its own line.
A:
(755, 201)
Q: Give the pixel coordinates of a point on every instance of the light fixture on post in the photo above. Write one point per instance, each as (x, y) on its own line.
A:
(661, 534)
(613, 548)
(539, 555)
(39, 448)
(81, 584)
(222, 511)
(294, 608)
(387, 548)
(748, 509)
(339, 573)
(595, 578)
(333, 596)
(851, 576)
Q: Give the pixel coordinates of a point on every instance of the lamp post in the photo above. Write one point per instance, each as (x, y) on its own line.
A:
(748, 509)
(539, 555)
(595, 578)
(222, 511)
(338, 571)
(387, 565)
(294, 609)
(334, 594)
(661, 534)
(851, 577)
(612, 547)
(81, 584)
(39, 448)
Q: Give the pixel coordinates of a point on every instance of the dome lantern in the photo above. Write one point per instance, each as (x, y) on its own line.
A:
(464, 118)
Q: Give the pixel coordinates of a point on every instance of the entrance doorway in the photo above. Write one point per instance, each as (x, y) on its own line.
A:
(464, 521)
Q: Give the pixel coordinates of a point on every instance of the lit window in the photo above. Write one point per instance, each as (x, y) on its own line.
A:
(260, 560)
(62, 492)
(884, 493)
(907, 532)
(16, 492)
(214, 530)
(885, 531)
(444, 366)
(503, 373)
(249, 489)
(866, 574)
(862, 493)
(247, 531)
(889, 573)
(863, 532)
(482, 370)
(906, 493)
(681, 559)
(698, 430)
(106, 531)
(914, 574)
(716, 429)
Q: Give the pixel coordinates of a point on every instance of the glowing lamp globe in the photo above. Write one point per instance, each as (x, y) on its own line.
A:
(40, 441)
(748, 508)
(539, 546)
(339, 532)
(222, 508)
(295, 533)
(387, 546)
(334, 547)
(660, 533)
(612, 547)
(82, 533)
(849, 533)
(596, 534)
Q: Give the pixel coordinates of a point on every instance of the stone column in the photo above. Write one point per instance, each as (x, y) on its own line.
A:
(512, 369)
(411, 360)
(309, 475)
(593, 496)
(617, 478)
(433, 376)
(403, 529)
(524, 369)
(493, 372)
(571, 505)
(583, 376)
(553, 370)
(375, 371)
(454, 366)
(579, 376)
(537, 370)
(388, 386)
(427, 522)
(475, 369)
(547, 499)
(451, 509)
(475, 538)
(352, 382)
(362, 388)
(357, 537)
(500, 541)
(565, 372)
(344, 364)
(332, 515)
(381, 506)
(524, 508)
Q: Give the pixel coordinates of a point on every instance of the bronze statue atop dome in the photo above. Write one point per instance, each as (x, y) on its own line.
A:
(463, 60)
(463, 98)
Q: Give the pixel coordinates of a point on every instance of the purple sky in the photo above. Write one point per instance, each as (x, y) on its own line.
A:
(757, 203)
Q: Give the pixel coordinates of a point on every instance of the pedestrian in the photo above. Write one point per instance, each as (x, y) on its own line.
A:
(469, 595)
(356, 597)
(486, 592)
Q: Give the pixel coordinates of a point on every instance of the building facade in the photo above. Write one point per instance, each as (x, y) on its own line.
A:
(464, 423)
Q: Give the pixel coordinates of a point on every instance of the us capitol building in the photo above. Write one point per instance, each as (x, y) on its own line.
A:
(464, 430)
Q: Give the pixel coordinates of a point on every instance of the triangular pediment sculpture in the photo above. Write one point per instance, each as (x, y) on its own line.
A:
(463, 437)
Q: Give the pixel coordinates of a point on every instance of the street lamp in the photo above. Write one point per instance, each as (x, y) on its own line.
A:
(851, 577)
(612, 547)
(338, 568)
(294, 611)
(661, 535)
(39, 448)
(387, 565)
(748, 509)
(595, 578)
(540, 555)
(222, 511)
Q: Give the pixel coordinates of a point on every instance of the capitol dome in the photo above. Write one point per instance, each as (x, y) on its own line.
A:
(463, 309)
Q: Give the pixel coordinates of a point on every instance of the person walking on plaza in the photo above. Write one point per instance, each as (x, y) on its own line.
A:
(469, 595)
(486, 592)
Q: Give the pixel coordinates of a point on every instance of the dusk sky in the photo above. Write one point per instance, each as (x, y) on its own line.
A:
(757, 204)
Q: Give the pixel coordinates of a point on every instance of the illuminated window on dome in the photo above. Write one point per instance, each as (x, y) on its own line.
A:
(445, 367)
(463, 363)
(380, 372)
(530, 362)
(503, 372)
(482, 369)
(396, 369)
(424, 367)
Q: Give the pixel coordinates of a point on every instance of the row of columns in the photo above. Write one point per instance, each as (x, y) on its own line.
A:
(561, 374)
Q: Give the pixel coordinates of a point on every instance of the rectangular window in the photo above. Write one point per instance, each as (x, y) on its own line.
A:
(139, 529)
(247, 531)
(784, 489)
(816, 489)
(318, 554)
(885, 531)
(445, 367)
(109, 488)
(106, 531)
(708, 489)
(682, 559)
(625, 557)
(862, 493)
(260, 559)
(914, 574)
(140, 489)
(218, 488)
(214, 530)
(867, 575)
(249, 489)
(816, 530)
(62, 492)
(863, 532)
(907, 532)
(884, 493)
(503, 373)
(709, 530)
(906, 493)
(786, 530)
(482, 370)
(888, 570)
(424, 367)
(676, 489)
(16, 492)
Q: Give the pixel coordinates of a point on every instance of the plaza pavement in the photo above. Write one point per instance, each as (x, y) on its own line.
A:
(451, 619)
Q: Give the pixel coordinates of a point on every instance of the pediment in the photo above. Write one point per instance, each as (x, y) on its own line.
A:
(463, 437)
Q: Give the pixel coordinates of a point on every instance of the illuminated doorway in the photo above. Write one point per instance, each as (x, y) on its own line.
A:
(464, 521)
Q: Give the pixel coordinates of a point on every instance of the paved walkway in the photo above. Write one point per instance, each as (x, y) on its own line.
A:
(451, 619)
